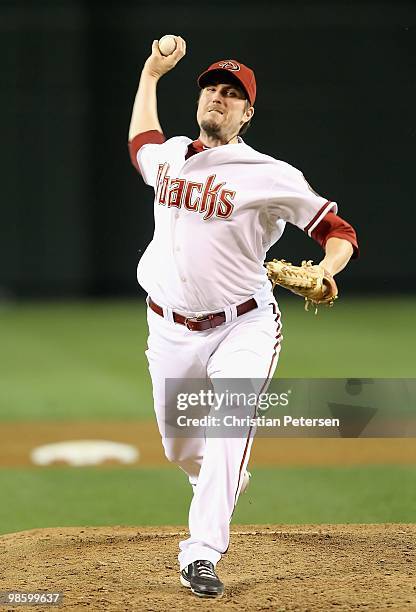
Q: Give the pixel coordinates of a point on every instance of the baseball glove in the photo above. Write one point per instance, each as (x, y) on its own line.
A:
(313, 283)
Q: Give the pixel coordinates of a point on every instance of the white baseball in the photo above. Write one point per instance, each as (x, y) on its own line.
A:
(167, 44)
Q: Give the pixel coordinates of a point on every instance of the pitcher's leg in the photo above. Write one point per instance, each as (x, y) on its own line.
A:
(171, 355)
(215, 496)
(249, 352)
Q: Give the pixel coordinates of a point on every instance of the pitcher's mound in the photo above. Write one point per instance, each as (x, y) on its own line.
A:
(277, 567)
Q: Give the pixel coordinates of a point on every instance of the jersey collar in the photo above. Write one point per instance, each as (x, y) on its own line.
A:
(197, 147)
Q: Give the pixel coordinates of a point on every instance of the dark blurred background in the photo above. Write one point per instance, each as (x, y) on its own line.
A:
(336, 98)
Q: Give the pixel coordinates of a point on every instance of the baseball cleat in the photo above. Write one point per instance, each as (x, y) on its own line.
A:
(201, 578)
(184, 578)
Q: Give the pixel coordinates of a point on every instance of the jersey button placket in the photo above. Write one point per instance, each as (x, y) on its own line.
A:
(176, 249)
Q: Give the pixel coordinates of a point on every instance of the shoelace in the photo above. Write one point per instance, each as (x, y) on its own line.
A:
(205, 570)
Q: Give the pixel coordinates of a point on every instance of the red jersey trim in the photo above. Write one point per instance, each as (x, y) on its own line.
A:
(149, 137)
(195, 147)
(333, 226)
(319, 215)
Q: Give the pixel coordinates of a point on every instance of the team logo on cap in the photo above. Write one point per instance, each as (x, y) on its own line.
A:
(229, 65)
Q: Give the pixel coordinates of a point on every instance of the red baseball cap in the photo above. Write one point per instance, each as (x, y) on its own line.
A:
(237, 70)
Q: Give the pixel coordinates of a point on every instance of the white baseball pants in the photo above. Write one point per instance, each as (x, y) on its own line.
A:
(245, 347)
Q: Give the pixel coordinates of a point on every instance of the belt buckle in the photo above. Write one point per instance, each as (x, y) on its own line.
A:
(199, 317)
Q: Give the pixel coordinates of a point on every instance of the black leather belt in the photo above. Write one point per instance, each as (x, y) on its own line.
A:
(203, 322)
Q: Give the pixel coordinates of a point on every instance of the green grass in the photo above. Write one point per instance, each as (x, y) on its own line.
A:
(365, 494)
(86, 360)
(50, 497)
(71, 361)
(74, 361)
(359, 338)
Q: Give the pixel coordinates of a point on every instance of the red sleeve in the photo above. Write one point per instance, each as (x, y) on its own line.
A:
(333, 226)
(149, 137)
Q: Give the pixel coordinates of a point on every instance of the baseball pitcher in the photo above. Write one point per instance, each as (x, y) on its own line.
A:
(219, 205)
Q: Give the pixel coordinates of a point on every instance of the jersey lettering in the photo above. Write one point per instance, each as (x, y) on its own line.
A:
(209, 197)
(162, 183)
(225, 206)
(189, 205)
(176, 193)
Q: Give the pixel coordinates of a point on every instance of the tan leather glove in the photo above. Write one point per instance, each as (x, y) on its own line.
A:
(313, 283)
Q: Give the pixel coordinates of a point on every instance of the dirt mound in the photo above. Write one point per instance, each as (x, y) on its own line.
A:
(303, 568)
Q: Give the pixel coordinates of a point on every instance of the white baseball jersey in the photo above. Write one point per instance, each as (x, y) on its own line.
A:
(216, 215)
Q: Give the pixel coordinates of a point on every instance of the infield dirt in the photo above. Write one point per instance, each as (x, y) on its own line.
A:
(308, 568)
(20, 438)
(313, 568)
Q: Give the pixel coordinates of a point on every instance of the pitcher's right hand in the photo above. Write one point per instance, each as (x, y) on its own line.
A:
(157, 64)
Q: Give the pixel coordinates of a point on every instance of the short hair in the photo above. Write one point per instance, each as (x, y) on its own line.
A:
(247, 124)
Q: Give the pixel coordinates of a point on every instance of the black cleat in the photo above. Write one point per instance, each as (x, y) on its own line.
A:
(201, 578)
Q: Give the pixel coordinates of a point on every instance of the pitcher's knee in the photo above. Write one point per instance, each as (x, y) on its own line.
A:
(172, 455)
(181, 450)
(173, 450)
(184, 458)
(178, 455)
